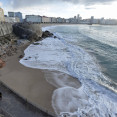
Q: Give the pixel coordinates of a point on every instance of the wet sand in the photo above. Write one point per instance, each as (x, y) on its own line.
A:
(28, 83)
(31, 84)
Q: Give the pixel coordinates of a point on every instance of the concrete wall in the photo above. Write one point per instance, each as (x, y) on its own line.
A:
(5, 29)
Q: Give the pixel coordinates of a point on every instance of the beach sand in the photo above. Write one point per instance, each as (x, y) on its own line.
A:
(31, 84)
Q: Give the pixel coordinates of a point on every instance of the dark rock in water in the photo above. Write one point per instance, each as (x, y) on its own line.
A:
(46, 34)
(0, 96)
(21, 56)
(55, 37)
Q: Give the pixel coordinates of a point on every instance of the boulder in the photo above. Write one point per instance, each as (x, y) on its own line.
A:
(21, 56)
(46, 34)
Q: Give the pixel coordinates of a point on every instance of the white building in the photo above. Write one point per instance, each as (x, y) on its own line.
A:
(2, 19)
(102, 21)
(33, 18)
(12, 19)
(53, 20)
(59, 20)
(46, 19)
(111, 22)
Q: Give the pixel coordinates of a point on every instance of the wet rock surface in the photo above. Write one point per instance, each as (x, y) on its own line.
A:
(8, 45)
(25, 31)
(47, 34)
(31, 32)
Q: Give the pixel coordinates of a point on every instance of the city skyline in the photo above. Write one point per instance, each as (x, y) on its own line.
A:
(62, 8)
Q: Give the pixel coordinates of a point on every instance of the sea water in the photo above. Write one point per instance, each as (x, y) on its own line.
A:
(88, 53)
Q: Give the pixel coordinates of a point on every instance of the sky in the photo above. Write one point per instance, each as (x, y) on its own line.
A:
(62, 8)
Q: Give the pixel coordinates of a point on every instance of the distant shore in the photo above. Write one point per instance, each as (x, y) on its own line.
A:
(29, 83)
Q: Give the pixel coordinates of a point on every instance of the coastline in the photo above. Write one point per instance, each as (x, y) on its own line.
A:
(28, 83)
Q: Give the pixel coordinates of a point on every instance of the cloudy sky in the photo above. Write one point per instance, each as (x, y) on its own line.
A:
(63, 8)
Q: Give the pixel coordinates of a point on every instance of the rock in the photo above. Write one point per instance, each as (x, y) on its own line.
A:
(55, 37)
(2, 63)
(2, 115)
(21, 56)
(0, 96)
(25, 31)
(46, 34)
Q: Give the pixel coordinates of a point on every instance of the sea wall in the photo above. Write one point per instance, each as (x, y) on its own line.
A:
(30, 31)
(5, 29)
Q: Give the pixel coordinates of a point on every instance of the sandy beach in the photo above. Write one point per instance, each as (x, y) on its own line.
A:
(31, 84)
(28, 83)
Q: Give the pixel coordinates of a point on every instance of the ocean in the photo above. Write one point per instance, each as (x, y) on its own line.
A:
(89, 54)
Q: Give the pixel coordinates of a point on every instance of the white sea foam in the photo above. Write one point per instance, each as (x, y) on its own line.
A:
(91, 99)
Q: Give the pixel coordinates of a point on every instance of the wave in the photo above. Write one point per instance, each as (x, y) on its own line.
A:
(91, 99)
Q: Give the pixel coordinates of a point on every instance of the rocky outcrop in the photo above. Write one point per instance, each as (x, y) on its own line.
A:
(7, 50)
(47, 34)
(8, 45)
(31, 32)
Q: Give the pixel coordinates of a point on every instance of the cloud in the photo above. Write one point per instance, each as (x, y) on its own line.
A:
(28, 3)
(89, 8)
(0, 4)
(90, 2)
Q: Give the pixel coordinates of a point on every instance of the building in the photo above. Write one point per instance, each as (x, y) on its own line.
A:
(53, 20)
(74, 17)
(33, 18)
(12, 19)
(59, 20)
(15, 14)
(73, 20)
(67, 21)
(11, 14)
(2, 19)
(64, 20)
(110, 22)
(92, 20)
(19, 15)
(78, 16)
(102, 21)
(46, 19)
(85, 21)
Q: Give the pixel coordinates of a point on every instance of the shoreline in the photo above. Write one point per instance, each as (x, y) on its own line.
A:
(29, 84)
(13, 74)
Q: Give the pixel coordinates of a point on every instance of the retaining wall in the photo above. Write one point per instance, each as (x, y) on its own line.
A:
(5, 29)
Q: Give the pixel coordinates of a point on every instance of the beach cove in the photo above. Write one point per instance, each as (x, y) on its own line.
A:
(31, 84)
